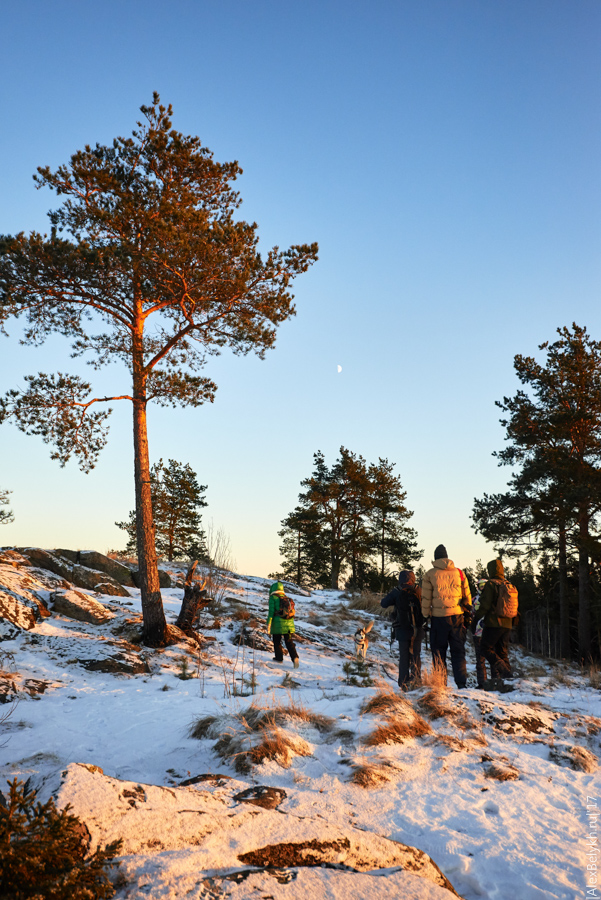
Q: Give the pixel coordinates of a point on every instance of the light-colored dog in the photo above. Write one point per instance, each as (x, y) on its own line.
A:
(361, 641)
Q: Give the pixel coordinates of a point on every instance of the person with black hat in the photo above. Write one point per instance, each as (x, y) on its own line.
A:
(408, 625)
(445, 598)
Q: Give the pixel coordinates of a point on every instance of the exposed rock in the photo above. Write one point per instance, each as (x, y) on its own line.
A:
(573, 757)
(64, 566)
(22, 611)
(121, 663)
(12, 558)
(209, 834)
(117, 571)
(251, 637)
(517, 718)
(261, 795)
(81, 607)
(110, 589)
(216, 780)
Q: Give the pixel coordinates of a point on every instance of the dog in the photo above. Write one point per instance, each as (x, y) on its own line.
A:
(361, 641)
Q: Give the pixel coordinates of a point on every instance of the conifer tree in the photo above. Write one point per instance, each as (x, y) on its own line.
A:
(177, 498)
(554, 438)
(146, 265)
(393, 539)
(6, 515)
(304, 549)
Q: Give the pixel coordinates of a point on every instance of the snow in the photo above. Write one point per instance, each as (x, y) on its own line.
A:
(522, 837)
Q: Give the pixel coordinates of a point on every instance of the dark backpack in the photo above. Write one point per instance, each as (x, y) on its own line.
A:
(286, 610)
(408, 609)
(507, 600)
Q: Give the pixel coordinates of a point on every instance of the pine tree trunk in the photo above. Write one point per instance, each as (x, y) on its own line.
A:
(298, 558)
(584, 613)
(564, 609)
(155, 632)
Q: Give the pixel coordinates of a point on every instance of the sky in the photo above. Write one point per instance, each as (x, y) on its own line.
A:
(445, 156)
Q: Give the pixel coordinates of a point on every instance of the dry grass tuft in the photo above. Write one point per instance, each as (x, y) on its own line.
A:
(434, 677)
(243, 748)
(206, 727)
(371, 776)
(436, 704)
(560, 676)
(385, 702)
(396, 730)
(366, 601)
(593, 676)
(500, 769)
(259, 718)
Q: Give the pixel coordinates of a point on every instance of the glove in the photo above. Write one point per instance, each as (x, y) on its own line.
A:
(269, 626)
(467, 617)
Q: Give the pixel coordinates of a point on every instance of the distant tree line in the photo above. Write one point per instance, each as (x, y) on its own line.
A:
(351, 521)
(550, 512)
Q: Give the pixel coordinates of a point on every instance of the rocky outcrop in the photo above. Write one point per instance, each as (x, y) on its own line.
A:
(63, 563)
(101, 563)
(248, 845)
(81, 607)
(21, 606)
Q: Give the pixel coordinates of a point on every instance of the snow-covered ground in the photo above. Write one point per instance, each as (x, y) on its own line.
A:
(494, 788)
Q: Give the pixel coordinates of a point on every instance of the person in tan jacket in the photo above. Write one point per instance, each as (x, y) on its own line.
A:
(445, 598)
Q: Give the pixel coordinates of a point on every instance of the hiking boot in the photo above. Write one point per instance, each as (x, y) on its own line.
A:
(497, 684)
(296, 663)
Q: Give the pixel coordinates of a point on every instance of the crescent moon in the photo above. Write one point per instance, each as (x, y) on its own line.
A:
(340, 368)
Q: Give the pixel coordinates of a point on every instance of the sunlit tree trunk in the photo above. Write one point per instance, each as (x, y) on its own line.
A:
(155, 633)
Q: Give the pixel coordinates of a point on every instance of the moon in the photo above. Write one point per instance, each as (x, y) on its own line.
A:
(339, 368)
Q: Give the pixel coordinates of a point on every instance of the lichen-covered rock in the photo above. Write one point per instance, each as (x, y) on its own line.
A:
(81, 607)
(116, 570)
(62, 563)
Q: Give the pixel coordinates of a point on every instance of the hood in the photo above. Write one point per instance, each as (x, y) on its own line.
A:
(495, 569)
(443, 564)
(406, 579)
(277, 588)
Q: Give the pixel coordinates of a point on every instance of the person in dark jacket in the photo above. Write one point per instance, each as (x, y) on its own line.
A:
(408, 622)
(496, 629)
(477, 629)
(279, 627)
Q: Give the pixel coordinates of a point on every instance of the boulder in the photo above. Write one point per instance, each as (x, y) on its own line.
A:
(262, 795)
(110, 589)
(23, 612)
(63, 563)
(12, 558)
(81, 607)
(116, 570)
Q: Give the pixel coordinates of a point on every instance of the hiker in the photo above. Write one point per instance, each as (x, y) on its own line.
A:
(477, 628)
(408, 626)
(280, 623)
(445, 599)
(498, 608)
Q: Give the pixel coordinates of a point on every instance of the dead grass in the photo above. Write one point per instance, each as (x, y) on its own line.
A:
(500, 769)
(396, 730)
(593, 676)
(435, 676)
(559, 676)
(206, 727)
(366, 601)
(367, 775)
(244, 748)
(385, 702)
(436, 704)
(258, 717)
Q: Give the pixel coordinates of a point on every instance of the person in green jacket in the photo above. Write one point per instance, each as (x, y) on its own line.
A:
(279, 627)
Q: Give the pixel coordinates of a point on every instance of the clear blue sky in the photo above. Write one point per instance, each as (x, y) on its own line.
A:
(444, 154)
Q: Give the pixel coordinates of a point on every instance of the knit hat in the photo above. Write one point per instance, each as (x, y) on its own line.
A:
(277, 588)
(406, 578)
(481, 583)
(441, 552)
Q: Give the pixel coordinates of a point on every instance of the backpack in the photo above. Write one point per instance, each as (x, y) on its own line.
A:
(408, 610)
(286, 610)
(507, 600)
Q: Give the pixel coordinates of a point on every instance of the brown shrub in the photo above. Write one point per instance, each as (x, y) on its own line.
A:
(435, 677)
(366, 601)
(396, 730)
(385, 702)
(371, 776)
